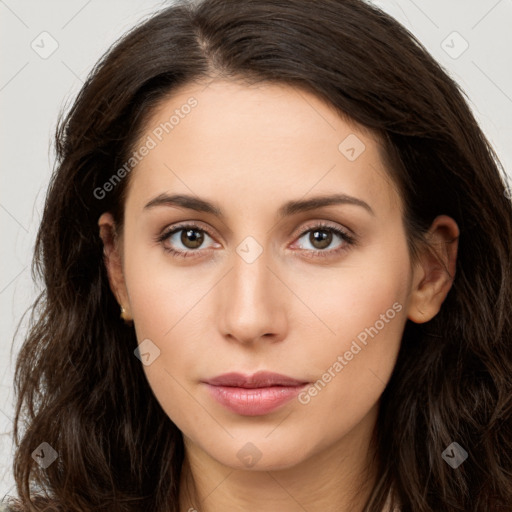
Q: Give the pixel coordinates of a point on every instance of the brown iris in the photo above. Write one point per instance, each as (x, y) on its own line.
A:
(321, 236)
(194, 237)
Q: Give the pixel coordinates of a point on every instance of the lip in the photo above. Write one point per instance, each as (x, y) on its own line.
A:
(253, 395)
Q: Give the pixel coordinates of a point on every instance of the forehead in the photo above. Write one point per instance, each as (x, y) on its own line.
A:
(270, 141)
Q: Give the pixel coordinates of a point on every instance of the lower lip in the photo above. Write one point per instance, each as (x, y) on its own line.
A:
(254, 401)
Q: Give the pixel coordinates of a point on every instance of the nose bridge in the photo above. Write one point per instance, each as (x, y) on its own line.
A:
(251, 306)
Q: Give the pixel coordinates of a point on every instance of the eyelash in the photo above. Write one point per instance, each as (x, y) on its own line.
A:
(348, 239)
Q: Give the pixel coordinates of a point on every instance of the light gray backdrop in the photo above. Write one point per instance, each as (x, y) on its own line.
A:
(47, 48)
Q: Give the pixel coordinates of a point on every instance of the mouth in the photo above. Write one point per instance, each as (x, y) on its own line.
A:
(254, 395)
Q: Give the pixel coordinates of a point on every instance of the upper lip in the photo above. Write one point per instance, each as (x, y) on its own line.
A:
(257, 380)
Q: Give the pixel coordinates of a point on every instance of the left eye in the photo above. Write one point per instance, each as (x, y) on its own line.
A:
(321, 237)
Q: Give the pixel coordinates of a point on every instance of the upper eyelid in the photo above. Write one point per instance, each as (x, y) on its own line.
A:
(180, 226)
(325, 224)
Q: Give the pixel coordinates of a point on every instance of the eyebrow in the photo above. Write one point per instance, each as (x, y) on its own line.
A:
(289, 208)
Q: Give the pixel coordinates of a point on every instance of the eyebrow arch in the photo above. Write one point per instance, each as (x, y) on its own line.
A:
(288, 209)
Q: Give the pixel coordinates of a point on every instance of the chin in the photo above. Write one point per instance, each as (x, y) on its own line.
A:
(260, 453)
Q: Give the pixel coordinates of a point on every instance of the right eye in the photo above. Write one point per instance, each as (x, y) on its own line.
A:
(190, 236)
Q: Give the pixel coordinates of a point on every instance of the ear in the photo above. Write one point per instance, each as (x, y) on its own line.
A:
(113, 259)
(434, 271)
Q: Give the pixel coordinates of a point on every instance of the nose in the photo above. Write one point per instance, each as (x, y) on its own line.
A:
(252, 302)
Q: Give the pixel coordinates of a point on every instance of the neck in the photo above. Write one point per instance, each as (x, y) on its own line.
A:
(337, 478)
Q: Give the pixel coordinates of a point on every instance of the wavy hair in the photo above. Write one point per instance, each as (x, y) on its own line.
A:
(78, 385)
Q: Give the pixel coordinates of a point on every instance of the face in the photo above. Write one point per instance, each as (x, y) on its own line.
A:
(285, 253)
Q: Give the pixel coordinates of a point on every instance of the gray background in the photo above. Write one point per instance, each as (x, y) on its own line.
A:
(35, 86)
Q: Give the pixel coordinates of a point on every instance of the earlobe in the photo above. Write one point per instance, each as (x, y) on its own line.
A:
(112, 258)
(435, 270)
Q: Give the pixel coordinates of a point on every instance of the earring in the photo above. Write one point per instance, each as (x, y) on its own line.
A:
(124, 316)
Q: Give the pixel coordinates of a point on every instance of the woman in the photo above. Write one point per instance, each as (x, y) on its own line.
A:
(309, 240)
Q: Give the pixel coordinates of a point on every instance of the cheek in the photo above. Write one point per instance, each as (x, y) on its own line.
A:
(158, 297)
(364, 306)
(165, 301)
(352, 297)
(161, 293)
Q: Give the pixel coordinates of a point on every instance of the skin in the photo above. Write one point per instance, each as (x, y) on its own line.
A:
(250, 149)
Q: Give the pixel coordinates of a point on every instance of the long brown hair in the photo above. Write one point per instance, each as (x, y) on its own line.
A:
(80, 388)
